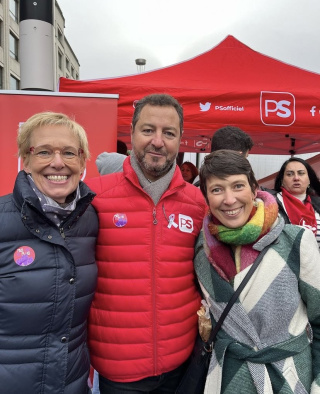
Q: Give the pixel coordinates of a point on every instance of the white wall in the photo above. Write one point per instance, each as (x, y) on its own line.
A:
(263, 165)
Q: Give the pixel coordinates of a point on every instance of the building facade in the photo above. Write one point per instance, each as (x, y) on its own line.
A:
(66, 62)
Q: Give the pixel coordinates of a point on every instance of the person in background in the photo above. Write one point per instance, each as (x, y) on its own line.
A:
(189, 171)
(48, 232)
(233, 138)
(230, 137)
(109, 162)
(122, 148)
(297, 191)
(143, 321)
(270, 339)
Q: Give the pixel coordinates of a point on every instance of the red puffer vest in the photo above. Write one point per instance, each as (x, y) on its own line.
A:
(143, 319)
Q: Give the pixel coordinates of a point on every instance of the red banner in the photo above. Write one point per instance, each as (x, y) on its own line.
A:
(97, 113)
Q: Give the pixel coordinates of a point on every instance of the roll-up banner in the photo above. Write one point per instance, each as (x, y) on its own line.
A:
(97, 113)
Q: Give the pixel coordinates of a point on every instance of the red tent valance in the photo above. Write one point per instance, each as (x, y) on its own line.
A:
(276, 103)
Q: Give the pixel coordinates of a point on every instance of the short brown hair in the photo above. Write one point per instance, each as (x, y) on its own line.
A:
(224, 163)
(157, 100)
(231, 137)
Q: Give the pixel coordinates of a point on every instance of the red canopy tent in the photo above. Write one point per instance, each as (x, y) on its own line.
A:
(276, 103)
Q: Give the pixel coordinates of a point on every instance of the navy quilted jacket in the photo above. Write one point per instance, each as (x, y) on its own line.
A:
(47, 281)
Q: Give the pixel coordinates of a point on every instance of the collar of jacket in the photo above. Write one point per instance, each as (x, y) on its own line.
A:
(315, 201)
(129, 173)
(271, 236)
(28, 204)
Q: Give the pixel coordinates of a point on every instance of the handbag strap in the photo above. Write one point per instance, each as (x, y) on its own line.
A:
(254, 266)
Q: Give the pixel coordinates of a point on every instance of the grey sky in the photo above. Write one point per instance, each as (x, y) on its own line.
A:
(108, 35)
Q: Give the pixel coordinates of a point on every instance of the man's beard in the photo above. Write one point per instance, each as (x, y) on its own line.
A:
(157, 171)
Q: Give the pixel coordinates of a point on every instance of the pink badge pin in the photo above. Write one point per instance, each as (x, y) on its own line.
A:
(120, 219)
(24, 256)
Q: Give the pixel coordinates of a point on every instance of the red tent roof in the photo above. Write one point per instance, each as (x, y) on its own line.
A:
(276, 103)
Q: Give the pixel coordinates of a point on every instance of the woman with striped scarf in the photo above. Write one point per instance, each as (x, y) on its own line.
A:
(270, 339)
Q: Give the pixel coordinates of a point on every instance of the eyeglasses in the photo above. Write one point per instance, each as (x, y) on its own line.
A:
(47, 153)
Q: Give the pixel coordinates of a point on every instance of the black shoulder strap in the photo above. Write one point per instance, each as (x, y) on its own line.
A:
(235, 295)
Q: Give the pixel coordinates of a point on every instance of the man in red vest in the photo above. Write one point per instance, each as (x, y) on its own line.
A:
(143, 320)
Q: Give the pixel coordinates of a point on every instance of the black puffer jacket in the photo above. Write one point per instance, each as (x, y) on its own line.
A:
(47, 281)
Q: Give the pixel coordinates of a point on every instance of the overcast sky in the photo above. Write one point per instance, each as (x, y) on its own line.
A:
(108, 35)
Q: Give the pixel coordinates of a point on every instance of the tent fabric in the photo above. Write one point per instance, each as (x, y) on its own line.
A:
(231, 84)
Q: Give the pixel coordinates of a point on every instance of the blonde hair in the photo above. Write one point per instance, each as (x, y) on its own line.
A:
(49, 119)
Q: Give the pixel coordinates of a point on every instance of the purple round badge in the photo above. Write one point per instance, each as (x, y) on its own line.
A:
(24, 256)
(120, 219)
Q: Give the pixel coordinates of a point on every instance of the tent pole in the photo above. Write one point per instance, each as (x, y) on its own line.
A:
(180, 158)
(197, 159)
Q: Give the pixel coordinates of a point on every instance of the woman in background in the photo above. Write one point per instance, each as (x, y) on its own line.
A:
(189, 171)
(297, 191)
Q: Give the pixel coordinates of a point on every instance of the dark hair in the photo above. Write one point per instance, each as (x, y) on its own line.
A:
(122, 147)
(161, 100)
(224, 163)
(193, 169)
(314, 181)
(233, 138)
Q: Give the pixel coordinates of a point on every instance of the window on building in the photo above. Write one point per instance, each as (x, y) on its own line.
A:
(60, 36)
(67, 76)
(14, 83)
(1, 31)
(72, 72)
(77, 76)
(14, 10)
(13, 46)
(67, 64)
(60, 56)
(1, 77)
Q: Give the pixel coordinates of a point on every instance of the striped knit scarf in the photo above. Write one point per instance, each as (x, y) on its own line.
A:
(56, 212)
(218, 237)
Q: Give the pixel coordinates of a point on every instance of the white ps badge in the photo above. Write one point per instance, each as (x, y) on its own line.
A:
(185, 223)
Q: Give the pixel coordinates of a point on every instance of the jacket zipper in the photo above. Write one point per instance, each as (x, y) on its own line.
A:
(153, 279)
(153, 286)
(62, 232)
(154, 213)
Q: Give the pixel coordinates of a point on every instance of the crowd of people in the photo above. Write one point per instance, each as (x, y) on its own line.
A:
(109, 275)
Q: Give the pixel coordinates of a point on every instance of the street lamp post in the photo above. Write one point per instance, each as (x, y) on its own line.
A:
(141, 63)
